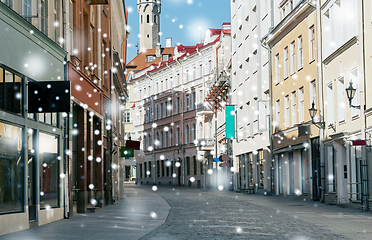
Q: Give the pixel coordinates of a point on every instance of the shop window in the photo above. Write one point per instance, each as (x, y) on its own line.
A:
(11, 98)
(11, 169)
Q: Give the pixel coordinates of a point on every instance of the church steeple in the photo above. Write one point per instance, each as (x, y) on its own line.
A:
(149, 22)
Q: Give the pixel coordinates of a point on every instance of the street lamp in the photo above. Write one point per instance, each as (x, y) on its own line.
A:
(350, 92)
(312, 112)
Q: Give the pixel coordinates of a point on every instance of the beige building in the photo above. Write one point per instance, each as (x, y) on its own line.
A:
(345, 63)
(294, 84)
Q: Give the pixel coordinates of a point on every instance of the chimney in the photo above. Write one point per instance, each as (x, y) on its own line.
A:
(168, 42)
(158, 51)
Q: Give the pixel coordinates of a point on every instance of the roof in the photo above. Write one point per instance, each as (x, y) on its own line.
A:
(139, 61)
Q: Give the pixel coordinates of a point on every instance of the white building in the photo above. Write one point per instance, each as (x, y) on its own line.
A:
(250, 93)
(170, 116)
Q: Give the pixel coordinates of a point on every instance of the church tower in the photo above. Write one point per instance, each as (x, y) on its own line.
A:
(149, 22)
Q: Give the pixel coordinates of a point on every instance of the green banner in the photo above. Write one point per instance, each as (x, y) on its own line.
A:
(126, 152)
(230, 121)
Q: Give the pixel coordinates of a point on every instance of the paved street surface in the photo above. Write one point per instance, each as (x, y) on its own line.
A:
(172, 213)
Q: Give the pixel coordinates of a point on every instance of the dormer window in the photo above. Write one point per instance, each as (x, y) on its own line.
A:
(164, 57)
(150, 58)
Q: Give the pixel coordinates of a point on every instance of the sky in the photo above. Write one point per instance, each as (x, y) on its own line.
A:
(185, 21)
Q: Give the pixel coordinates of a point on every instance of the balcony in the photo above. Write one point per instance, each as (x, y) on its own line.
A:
(98, 2)
(203, 109)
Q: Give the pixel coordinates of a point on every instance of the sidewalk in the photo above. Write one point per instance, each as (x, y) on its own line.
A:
(131, 218)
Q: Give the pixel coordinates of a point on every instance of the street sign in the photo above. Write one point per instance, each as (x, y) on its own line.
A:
(230, 121)
(216, 160)
(124, 152)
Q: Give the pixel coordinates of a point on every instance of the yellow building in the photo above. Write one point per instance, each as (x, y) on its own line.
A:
(294, 87)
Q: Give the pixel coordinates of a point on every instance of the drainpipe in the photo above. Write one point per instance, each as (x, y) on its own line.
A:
(365, 190)
(320, 95)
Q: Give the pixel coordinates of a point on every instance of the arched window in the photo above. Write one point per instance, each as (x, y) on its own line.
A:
(154, 18)
(187, 135)
(148, 18)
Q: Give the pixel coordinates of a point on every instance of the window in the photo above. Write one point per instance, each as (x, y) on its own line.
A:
(71, 24)
(12, 169)
(200, 70)
(312, 43)
(188, 165)
(195, 165)
(154, 18)
(187, 102)
(150, 58)
(170, 108)
(56, 20)
(286, 63)
(141, 19)
(157, 111)
(277, 118)
(148, 18)
(294, 108)
(193, 100)
(161, 139)
(166, 109)
(187, 135)
(171, 138)
(286, 113)
(330, 104)
(193, 132)
(127, 116)
(91, 60)
(166, 139)
(11, 91)
(157, 140)
(276, 69)
(300, 56)
(161, 110)
(178, 105)
(165, 57)
(293, 58)
(44, 17)
(341, 99)
(302, 105)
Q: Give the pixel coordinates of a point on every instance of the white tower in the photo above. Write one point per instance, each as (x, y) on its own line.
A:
(149, 21)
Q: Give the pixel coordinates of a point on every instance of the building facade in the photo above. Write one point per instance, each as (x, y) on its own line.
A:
(171, 118)
(293, 46)
(32, 160)
(250, 93)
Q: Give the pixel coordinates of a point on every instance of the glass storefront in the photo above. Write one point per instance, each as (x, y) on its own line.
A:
(49, 161)
(11, 169)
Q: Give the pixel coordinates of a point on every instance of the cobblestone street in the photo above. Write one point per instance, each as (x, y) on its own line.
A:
(201, 214)
(192, 213)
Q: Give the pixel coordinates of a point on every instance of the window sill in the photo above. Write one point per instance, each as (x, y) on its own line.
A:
(300, 68)
(285, 78)
(312, 61)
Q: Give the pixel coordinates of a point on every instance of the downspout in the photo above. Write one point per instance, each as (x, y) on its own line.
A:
(65, 122)
(320, 96)
(270, 98)
(365, 190)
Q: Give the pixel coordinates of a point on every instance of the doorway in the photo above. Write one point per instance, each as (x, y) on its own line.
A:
(31, 177)
(316, 171)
